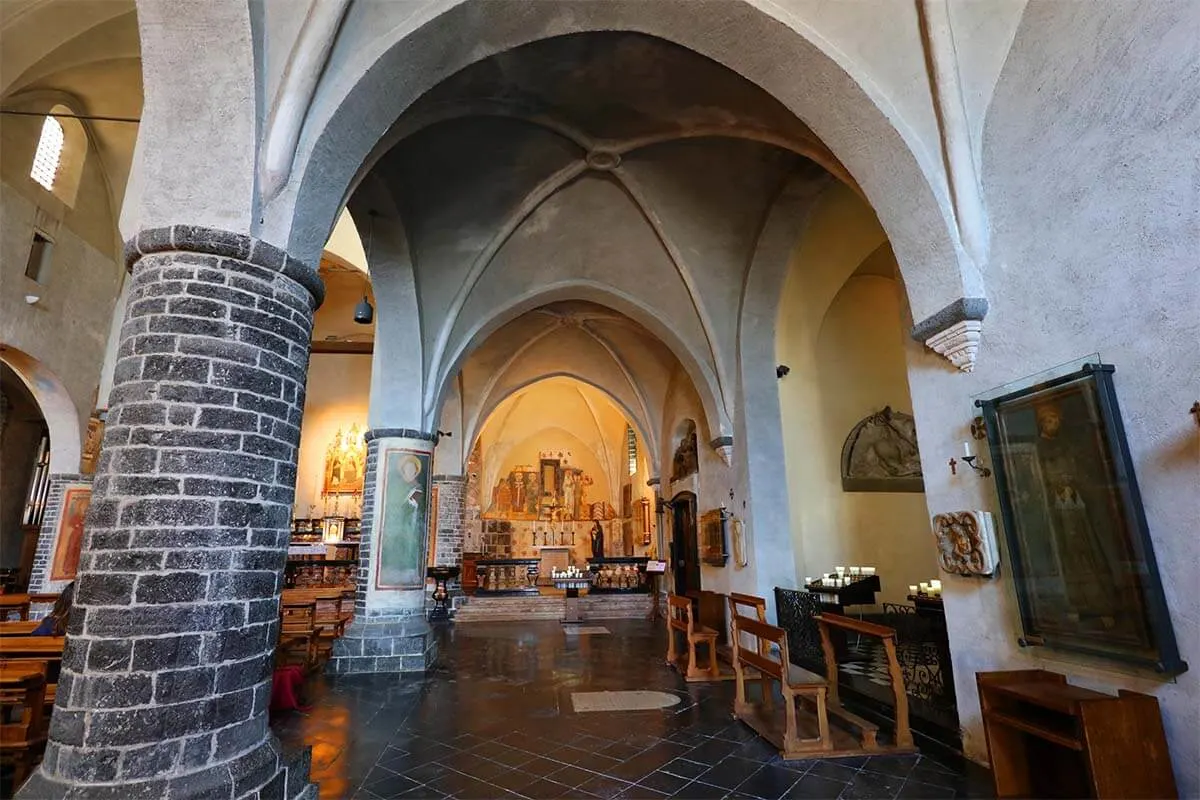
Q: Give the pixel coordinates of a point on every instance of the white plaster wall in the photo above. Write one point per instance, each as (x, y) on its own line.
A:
(1095, 209)
(66, 331)
(337, 397)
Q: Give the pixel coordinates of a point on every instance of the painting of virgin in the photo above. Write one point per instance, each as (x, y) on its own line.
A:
(1081, 553)
(69, 542)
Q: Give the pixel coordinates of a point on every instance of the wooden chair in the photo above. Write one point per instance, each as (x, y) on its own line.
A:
(22, 717)
(297, 634)
(681, 619)
(14, 604)
(903, 735)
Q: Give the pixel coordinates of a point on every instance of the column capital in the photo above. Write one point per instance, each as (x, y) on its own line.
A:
(224, 244)
(399, 433)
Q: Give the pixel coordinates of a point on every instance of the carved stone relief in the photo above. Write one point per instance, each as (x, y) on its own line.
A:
(880, 455)
(966, 543)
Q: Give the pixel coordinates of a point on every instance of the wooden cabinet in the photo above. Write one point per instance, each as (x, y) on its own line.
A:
(1047, 738)
(470, 577)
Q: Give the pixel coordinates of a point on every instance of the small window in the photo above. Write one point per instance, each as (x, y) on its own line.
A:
(38, 265)
(49, 154)
(631, 448)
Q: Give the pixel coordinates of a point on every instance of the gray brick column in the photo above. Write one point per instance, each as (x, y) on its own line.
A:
(167, 670)
(451, 519)
(389, 632)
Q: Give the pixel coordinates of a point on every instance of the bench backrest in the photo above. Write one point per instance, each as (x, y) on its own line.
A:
(22, 702)
(760, 657)
(679, 613)
(11, 604)
(298, 616)
(19, 627)
(35, 648)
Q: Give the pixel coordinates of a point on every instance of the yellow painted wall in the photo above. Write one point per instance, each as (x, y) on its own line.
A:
(842, 337)
(338, 390)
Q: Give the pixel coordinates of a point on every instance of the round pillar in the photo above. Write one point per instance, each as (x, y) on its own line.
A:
(166, 675)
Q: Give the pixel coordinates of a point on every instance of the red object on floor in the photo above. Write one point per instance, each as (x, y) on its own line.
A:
(285, 689)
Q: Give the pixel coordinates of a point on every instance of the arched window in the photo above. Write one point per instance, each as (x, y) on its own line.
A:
(49, 154)
(58, 161)
(631, 448)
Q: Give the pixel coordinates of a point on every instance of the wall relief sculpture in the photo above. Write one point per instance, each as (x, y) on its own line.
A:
(966, 543)
(686, 461)
(880, 455)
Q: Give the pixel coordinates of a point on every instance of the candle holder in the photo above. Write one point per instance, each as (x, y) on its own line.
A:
(984, 472)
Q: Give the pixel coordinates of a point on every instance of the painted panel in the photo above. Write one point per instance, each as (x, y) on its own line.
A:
(404, 519)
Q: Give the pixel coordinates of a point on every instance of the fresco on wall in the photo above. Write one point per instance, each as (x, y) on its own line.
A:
(403, 524)
(69, 543)
(346, 462)
(686, 461)
(552, 491)
(880, 454)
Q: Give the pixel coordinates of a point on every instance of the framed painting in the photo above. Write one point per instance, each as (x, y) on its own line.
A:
(403, 521)
(69, 541)
(1082, 560)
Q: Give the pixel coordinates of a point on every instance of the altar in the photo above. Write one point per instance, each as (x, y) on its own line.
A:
(552, 557)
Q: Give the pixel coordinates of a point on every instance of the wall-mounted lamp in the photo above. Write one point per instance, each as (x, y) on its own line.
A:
(447, 434)
(969, 459)
(781, 370)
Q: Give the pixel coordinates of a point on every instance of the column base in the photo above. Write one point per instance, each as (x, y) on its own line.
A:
(264, 773)
(384, 643)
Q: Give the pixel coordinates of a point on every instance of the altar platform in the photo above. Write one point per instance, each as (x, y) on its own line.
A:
(547, 604)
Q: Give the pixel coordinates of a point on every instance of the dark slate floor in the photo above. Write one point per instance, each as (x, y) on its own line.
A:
(494, 720)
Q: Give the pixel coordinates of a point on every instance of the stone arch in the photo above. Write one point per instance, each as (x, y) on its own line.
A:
(643, 426)
(57, 407)
(701, 374)
(351, 117)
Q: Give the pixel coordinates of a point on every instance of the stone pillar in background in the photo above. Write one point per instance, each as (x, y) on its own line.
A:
(389, 632)
(167, 670)
(451, 526)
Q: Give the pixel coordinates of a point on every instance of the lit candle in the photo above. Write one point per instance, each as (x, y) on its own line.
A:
(967, 450)
(868, 571)
(924, 588)
(936, 584)
(912, 589)
(808, 581)
(840, 571)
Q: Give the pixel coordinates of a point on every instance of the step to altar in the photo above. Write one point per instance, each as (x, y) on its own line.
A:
(534, 607)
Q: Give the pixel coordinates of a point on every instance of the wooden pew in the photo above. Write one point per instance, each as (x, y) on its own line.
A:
(681, 619)
(757, 607)
(903, 736)
(14, 604)
(22, 717)
(19, 627)
(26, 650)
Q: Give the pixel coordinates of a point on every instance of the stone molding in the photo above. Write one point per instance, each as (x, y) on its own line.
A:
(724, 447)
(955, 331)
(239, 247)
(399, 433)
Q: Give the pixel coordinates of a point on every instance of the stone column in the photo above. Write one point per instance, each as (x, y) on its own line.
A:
(167, 670)
(389, 632)
(451, 519)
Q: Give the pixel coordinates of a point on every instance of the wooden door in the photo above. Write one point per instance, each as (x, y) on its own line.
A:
(685, 544)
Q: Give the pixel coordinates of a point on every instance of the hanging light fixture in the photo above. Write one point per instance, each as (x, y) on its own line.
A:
(364, 312)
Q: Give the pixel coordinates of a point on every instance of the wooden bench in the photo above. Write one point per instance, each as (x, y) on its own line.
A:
(19, 627)
(903, 733)
(27, 650)
(681, 619)
(22, 717)
(795, 736)
(14, 604)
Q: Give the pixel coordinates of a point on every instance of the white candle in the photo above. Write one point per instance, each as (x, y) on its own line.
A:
(840, 571)
(936, 584)
(912, 589)
(924, 587)
(966, 449)
(807, 581)
(868, 571)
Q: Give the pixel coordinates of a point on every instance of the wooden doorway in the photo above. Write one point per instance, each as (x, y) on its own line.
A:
(685, 550)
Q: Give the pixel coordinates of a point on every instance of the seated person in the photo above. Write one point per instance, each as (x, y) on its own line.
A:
(55, 623)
